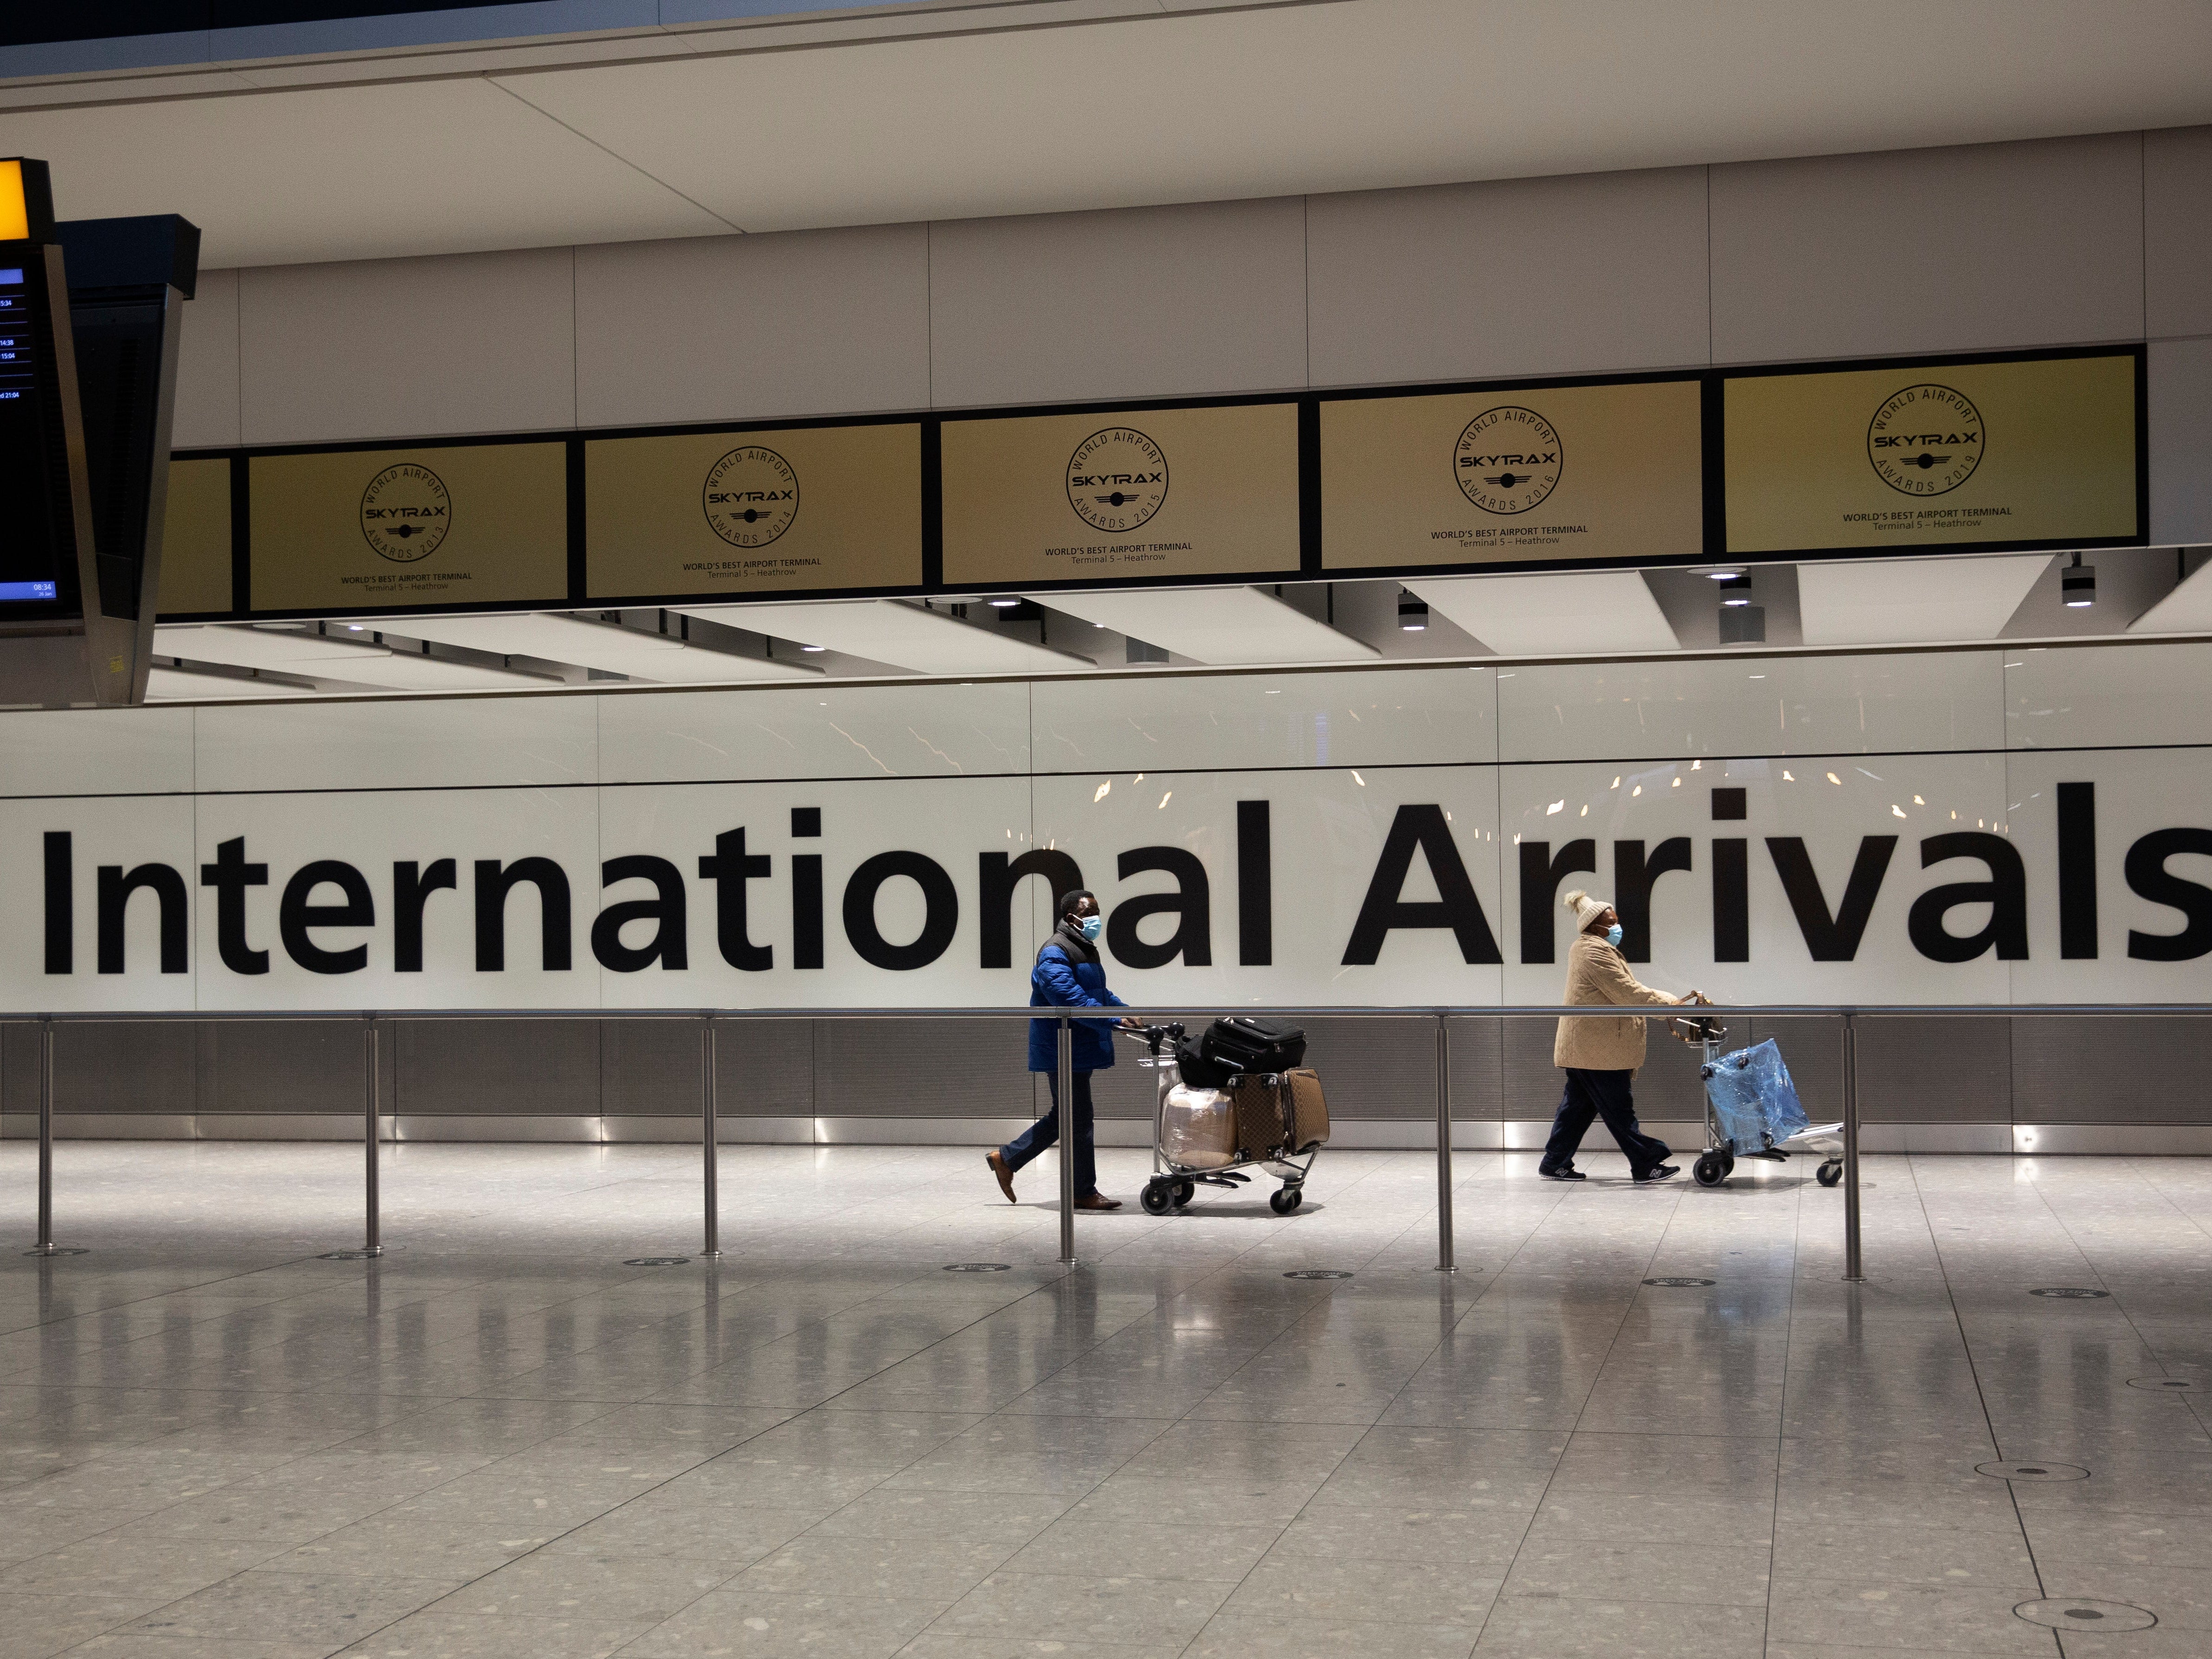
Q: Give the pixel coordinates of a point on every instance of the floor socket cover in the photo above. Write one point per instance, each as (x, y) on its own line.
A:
(2063, 1613)
(62, 1250)
(1682, 1283)
(349, 1255)
(656, 1261)
(978, 1266)
(1317, 1273)
(2160, 1384)
(2032, 1471)
(2066, 1295)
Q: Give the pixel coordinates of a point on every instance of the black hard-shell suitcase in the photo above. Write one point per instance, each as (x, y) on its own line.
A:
(1240, 1043)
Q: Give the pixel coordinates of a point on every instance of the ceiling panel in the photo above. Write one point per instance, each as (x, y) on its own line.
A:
(1913, 601)
(598, 645)
(904, 636)
(867, 120)
(2187, 609)
(168, 685)
(1542, 616)
(1214, 624)
(317, 657)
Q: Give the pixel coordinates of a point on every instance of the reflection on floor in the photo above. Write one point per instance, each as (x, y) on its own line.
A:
(502, 1440)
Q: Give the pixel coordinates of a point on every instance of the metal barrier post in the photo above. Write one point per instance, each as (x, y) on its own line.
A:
(1853, 1268)
(46, 1137)
(372, 1135)
(1445, 1264)
(710, 1143)
(1067, 1114)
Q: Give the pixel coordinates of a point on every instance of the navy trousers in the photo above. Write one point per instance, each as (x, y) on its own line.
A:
(1600, 1094)
(1046, 1130)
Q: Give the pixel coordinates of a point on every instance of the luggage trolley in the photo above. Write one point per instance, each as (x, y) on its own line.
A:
(1264, 1112)
(1752, 1109)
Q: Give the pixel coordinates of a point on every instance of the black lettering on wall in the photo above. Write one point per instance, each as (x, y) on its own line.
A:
(940, 911)
(2077, 871)
(805, 891)
(1731, 880)
(729, 868)
(1255, 886)
(1191, 904)
(494, 882)
(1540, 876)
(1831, 939)
(1423, 830)
(2005, 892)
(230, 875)
(61, 904)
(295, 916)
(411, 887)
(670, 945)
(115, 890)
(2148, 877)
(1634, 876)
(997, 877)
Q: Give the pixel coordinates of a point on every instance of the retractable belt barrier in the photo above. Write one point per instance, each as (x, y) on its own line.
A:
(373, 1244)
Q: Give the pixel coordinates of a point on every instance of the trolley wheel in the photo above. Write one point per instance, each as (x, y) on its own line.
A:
(1829, 1173)
(1184, 1192)
(1285, 1199)
(1709, 1170)
(1157, 1197)
(1728, 1165)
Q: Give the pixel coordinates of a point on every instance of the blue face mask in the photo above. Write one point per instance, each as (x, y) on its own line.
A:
(1093, 926)
(1613, 936)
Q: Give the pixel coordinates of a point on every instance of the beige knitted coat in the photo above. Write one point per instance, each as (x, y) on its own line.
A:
(1598, 973)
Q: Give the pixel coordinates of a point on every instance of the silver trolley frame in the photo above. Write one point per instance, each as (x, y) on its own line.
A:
(1717, 1161)
(1174, 1185)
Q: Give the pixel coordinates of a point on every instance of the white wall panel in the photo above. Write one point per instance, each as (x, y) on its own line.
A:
(2135, 794)
(1140, 302)
(1930, 249)
(943, 821)
(2117, 697)
(96, 751)
(2178, 231)
(405, 743)
(749, 327)
(1750, 706)
(1328, 829)
(407, 347)
(816, 732)
(158, 831)
(2180, 375)
(1830, 803)
(207, 366)
(371, 832)
(1136, 725)
(1523, 277)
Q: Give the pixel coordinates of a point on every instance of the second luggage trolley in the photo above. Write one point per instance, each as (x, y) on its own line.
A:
(1752, 1109)
(1278, 1126)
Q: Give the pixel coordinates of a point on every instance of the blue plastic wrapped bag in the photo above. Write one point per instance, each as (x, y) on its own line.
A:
(1753, 1099)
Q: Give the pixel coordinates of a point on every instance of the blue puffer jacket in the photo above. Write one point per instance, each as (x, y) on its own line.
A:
(1062, 979)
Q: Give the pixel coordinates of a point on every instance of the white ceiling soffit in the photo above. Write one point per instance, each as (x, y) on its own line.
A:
(920, 113)
(1214, 624)
(598, 645)
(169, 685)
(1578, 613)
(315, 657)
(904, 636)
(1913, 601)
(2186, 609)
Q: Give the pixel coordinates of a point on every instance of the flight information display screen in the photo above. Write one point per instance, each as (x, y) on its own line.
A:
(38, 574)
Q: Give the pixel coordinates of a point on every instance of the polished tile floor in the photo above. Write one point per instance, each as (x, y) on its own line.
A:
(502, 1440)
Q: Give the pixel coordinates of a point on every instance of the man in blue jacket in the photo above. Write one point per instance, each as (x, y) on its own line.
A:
(1069, 974)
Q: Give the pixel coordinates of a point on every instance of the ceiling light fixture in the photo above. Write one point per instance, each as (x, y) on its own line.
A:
(2077, 585)
(813, 647)
(1413, 612)
(1735, 590)
(1005, 602)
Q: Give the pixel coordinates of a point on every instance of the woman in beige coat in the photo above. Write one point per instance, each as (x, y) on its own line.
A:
(1599, 1056)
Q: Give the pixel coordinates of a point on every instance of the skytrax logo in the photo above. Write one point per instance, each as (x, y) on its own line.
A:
(1925, 439)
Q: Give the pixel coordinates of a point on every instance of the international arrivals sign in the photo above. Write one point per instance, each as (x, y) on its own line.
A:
(1965, 878)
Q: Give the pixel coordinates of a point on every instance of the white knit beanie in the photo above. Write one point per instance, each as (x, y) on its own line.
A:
(1586, 909)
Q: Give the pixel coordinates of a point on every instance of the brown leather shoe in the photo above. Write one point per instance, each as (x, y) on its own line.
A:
(1097, 1201)
(1005, 1176)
